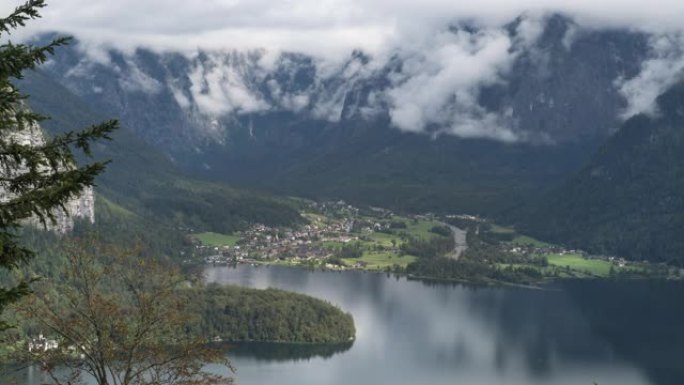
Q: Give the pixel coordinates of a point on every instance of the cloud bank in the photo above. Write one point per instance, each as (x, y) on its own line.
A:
(442, 73)
(320, 27)
(665, 67)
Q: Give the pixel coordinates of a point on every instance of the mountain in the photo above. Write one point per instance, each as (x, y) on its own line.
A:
(406, 131)
(142, 181)
(629, 200)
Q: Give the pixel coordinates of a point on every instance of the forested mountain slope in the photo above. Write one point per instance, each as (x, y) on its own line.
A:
(629, 200)
(145, 182)
(409, 130)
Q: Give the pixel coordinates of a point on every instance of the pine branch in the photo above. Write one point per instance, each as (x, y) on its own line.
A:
(37, 179)
(21, 14)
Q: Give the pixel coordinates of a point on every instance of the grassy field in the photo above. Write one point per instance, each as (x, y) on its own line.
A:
(417, 228)
(315, 219)
(384, 239)
(579, 263)
(381, 260)
(216, 239)
(332, 245)
(519, 239)
(524, 240)
(421, 229)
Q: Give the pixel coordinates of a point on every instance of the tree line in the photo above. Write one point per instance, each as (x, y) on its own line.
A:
(234, 313)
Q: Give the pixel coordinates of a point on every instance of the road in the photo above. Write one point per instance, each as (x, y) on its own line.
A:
(460, 244)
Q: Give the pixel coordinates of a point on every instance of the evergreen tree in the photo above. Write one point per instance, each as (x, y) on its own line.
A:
(36, 180)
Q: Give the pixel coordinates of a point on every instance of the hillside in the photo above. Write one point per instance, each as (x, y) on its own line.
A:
(145, 182)
(295, 125)
(235, 313)
(629, 200)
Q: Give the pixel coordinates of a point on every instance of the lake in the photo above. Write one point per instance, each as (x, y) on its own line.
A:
(410, 332)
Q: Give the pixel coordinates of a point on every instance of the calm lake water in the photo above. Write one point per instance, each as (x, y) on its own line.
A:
(409, 332)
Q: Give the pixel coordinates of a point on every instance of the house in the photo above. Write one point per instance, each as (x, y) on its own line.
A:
(41, 344)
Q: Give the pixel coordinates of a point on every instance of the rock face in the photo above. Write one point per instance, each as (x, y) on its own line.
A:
(81, 207)
(560, 87)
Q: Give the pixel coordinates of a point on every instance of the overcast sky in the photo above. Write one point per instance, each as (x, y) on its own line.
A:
(442, 74)
(322, 27)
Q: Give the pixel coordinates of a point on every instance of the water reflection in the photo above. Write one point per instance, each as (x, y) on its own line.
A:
(642, 322)
(270, 352)
(410, 332)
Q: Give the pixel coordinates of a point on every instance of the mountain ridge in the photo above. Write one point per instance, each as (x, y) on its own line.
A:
(628, 200)
(143, 180)
(269, 123)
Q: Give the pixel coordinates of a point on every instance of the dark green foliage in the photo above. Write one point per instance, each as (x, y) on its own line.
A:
(229, 312)
(481, 263)
(444, 231)
(337, 261)
(367, 160)
(471, 270)
(350, 250)
(493, 237)
(36, 178)
(286, 352)
(397, 225)
(464, 223)
(629, 201)
(144, 181)
(114, 226)
(448, 269)
(427, 248)
(218, 209)
(239, 314)
(375, 164)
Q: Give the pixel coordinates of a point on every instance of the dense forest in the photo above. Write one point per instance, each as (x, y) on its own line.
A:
(239, 314)
(629, 201)
(428, 248)
(481, 262)
(229, 312)
(142, 180)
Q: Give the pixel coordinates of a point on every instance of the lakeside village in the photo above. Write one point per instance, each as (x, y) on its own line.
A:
(378, 234)
(331, 224)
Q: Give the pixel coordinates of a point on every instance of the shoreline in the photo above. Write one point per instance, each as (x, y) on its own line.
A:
(541, 285)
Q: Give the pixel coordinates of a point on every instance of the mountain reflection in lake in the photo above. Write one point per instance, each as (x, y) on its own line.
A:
(271, 352)
(409, 332)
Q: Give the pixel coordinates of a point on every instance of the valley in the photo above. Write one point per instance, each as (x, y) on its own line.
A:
(340, 236)
(341, 192)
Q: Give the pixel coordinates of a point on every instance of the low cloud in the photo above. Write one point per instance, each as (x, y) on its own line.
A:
(319, 27)
(661, 70)
(218, 86)
(439, 86)
(435, 90)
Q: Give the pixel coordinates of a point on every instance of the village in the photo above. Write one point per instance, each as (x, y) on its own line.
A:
(331, 225)
(340, 236)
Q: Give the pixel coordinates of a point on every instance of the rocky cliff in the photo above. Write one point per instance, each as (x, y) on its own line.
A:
(81, 207)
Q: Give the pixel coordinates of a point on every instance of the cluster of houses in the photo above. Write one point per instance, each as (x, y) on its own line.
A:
(306, 243)
(621, 262)
(41, 344)
(542, 250)
(558, 250)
